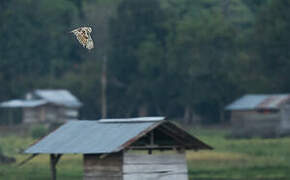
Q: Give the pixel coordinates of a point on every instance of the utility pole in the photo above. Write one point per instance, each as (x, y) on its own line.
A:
(104, 88)
(225, 7)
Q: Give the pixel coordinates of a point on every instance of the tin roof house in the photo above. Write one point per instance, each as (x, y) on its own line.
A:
(122, 149)
(46, 106)
(264, 115)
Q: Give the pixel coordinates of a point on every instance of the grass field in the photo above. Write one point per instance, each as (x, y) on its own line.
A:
(242, 159)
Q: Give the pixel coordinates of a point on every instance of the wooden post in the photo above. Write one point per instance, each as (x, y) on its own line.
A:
(180, 150)
(53, 161)
(10, 111)
(151, 141)
(104, 88)
(149, 151)
(152, 138)
(52, 167)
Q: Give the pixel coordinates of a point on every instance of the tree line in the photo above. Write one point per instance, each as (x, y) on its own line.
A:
(182, 59)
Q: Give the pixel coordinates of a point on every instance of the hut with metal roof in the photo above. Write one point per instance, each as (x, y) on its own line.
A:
(45, 106)
(264, 115)
(148, 148)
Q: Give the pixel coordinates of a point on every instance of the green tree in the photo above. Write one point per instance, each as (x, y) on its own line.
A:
(184, 65)
(204, 51)
(272, 40)
(84, 77)
(36, 48)
(255, 5)
(136, 31)
(37, 44)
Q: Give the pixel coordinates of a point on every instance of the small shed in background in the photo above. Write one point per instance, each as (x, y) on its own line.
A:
(45, 106)
(263, 115)
(147, 148)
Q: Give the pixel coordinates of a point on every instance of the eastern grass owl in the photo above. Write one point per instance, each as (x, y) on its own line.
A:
(83, 35)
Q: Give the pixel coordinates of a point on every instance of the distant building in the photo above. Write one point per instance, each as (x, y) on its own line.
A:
(263, 115)
(147, 148)
(46, 106)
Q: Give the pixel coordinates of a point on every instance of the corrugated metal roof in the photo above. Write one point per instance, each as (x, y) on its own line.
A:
(88, 137)
(95, 137)
(17, 103)
(262, 101)
(60, 97)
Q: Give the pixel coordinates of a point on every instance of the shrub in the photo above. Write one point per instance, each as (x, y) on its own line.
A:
(38, 131)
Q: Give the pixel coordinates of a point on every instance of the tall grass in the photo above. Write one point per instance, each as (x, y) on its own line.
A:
(231, 159)
(253, 159)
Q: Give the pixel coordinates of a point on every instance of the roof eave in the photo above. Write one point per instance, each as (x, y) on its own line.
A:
(140, 135)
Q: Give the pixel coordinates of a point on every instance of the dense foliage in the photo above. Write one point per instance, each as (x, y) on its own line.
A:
(178, 58)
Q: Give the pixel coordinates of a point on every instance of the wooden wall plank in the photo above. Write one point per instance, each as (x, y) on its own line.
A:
(155, 176)
(102, 178)
(108, 168)
(154, 159)
(155, 167)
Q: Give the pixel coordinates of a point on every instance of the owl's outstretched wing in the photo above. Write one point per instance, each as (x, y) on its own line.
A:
(84, 37)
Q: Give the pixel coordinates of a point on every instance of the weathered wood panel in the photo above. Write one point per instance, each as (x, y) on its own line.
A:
(108, 168)
(148, 168)
(155, 167)
(154, 158)
(157, 176)
(285, 120)
(31, 115)
(103, 178)
(253, 123)
(51, 114)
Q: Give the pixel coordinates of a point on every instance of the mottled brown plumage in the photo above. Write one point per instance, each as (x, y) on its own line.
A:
(83, 35)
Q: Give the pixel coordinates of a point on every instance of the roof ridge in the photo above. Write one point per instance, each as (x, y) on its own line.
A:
(133, 120)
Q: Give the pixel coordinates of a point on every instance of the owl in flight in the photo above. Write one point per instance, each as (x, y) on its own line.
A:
(83, 35)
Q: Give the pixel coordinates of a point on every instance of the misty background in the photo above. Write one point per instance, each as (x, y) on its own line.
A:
(182, 59)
